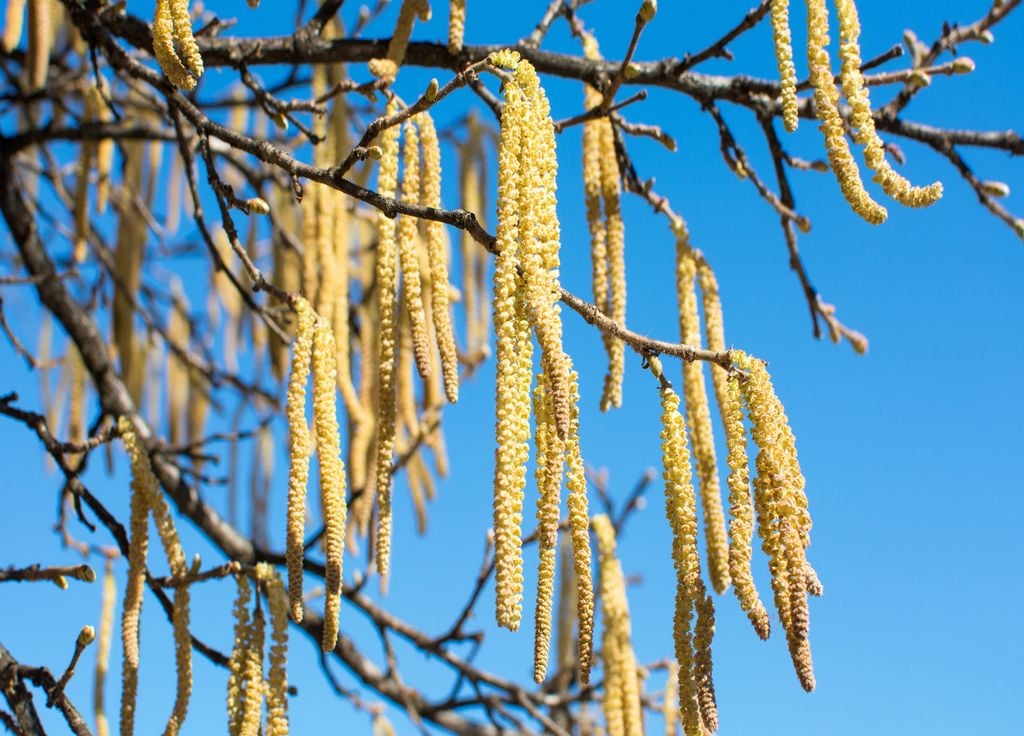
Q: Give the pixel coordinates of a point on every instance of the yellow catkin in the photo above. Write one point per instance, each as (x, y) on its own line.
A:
(13, 23)
(539, 236)
(781, 503)
(237, 662)
(550, 464)
(623, 707)
(277, 678)
(332, 475)
(826, 99)
(730, 407)
(412, 288)
(702, 636)
(387, 305)
(342, 305)
(863, 123)
(511, 394)
(85, 162)
(670, 700)
(456, 25)
(128, 256)
(616, 244)
(592, 199)
(143, 485)
(784, 58)
(403, 28)
(252, 702)
(681, 510)
(106, 630)
(183, 35)
(163, 47)
(178, 333)
(437, 256)
(76, 399)
(698, 415)
(40, 42)
(299, 445)
(579, 531)
(105, 156)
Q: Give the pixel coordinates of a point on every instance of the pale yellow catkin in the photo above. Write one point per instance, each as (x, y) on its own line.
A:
(511, 393)
(784, 59)
(412, 288)
(332, 475)
(456, 25)
(826, 99)
(579, 531)
(299, 445)
(40, 43)
(106, 630)
(730, 407)
(163, 47)
(178, 333)
(387, 305)
(681, 511)
(143, 485)
(410, 10)
(592, 200)
(252, 701)
(277, 678)
(702, 636)
(14, 20)
(85, 163)
(622, 702)
(670, 700)
(342, 305)
(611, 396)
(698, 415)
(437, 256)
(549, 468)
(128, 257)
(863, 123)
(237, 662)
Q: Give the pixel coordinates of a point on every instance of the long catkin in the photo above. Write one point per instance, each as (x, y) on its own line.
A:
(387, 305)
(332, 475)
(237, 662)
(579, 531)
(106, 630)
(698, 415)
(784, 59)
(550, 464)
(299, 443)
(412, 288)
(277, 678)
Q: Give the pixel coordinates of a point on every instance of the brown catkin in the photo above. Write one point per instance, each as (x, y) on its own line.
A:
(387, 305)
(412, 288)
(299, 445)
(332, 475)
(143, 485)
(437, 256)
(698, 416)
(40, 43)
(550, 464)
(106, 630)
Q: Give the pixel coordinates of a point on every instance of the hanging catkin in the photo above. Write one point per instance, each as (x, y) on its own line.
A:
(698, 416)
(106, 630)
(784, 59)
(143, 484)
(456, 25)
(14, 20)
(237, 662)
(579, 530)
(387, 307)
(550, 464)
(277, 678)
(332, 475)
(412, 290)
(299, 444)
(437, 255)
(40, 43)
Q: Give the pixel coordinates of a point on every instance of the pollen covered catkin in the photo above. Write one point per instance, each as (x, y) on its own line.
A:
(783, 519)
(252, 700)
(412, 288)
(387, 331)
(698, 416)
(456, 25)
(579, 532)
(826, 100)
(616, 248)
(163, 47)
(784, 59)
(730, 407)
(277, 678)
(622, 702)
(299, 445)
(437, 256)
(550, 464)
(237, 662)
(863, 123)
(332, 475)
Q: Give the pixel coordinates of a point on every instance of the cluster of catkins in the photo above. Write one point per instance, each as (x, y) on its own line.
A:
(826, 104)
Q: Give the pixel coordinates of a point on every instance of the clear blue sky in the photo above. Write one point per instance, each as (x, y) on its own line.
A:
(911, 453)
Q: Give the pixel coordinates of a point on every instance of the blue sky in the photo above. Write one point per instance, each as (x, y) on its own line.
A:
(911, 452)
